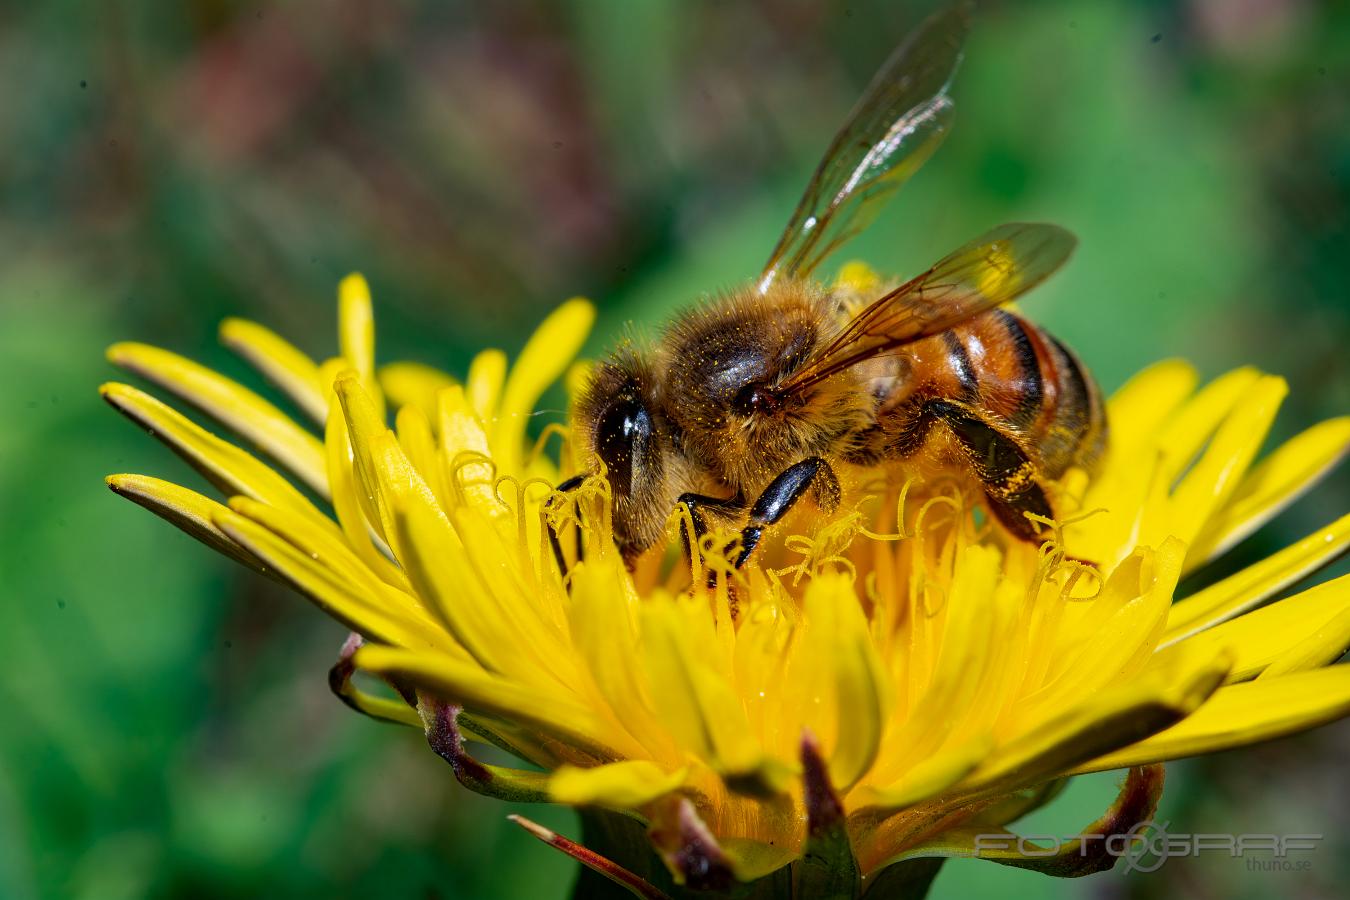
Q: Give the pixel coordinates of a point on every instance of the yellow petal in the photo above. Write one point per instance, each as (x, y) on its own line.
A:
(1259, 638)
(623, 785)
(836, 637)
(1001, 669)
(233, 405)
(556, 713)
(487, 374)
(963, 650)
(443, 577)
(413, 384)
(503, 569)
(1131, 609)
(1190, 428)
(751, 860)
(465, 462)
(329, 370)
(186, 509)
(327, 549)
(420, 536)
(1139, 408)
(696, 702)
(356, 335)
(230, 469)
(577, 379)
(332, 593)
(603, 625)
(552, 347)
(1242, 714)
(294, 373)
(1111, 718)
(356, 325)
(365, 425)
(1214, 477)
(419, 444)
(760, 658)
(930, 777)
(1322, 647)
(360, 532)
(1273, 484)
(1238, 593)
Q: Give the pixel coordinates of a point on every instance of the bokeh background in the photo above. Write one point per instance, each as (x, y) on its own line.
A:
(165, 728)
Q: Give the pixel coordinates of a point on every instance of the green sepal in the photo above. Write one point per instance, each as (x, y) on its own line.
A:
(827, 870)
(1021, 803)
(500, 782)
(908, 880)
(1131, 812)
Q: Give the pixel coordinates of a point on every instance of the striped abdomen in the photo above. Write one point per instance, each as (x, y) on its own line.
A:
(1010, 371)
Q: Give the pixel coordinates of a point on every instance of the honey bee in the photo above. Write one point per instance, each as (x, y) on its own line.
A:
(751, 401)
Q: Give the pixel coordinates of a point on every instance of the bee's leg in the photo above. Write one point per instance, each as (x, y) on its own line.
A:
(782, 493)
(566, 487)
(1002, 465)
(697, 504)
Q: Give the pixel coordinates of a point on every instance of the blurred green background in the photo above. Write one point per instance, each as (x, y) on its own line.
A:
(167, 731)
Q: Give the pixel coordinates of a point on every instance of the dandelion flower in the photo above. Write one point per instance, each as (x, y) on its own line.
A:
(872, 694)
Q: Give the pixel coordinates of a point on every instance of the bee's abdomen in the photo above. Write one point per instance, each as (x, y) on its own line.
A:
(1074, 431)
(1001, 364)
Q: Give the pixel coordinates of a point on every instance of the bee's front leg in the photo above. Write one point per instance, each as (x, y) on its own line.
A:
(782, 493)
(700, 504)
(566, 487)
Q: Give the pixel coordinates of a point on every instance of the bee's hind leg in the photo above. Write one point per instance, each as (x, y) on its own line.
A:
(1002, 465)
(1011, 509)
(783, 493)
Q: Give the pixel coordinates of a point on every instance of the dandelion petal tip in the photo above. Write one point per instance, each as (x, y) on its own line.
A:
(353, 281)
(127, 482)
(118, 395)
(117, 353)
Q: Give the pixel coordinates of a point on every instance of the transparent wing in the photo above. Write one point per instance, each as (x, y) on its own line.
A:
(902, 117)
(998, 266)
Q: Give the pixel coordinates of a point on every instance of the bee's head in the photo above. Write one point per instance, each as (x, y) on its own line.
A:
(619, 420)
(726, 363)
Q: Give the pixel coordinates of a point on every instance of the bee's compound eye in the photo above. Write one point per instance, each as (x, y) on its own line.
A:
(622, 434)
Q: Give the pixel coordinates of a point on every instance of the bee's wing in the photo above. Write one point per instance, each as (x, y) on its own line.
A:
(900, 120)
(998, 266)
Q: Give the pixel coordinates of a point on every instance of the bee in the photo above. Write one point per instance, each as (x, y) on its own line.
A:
(752, 401)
